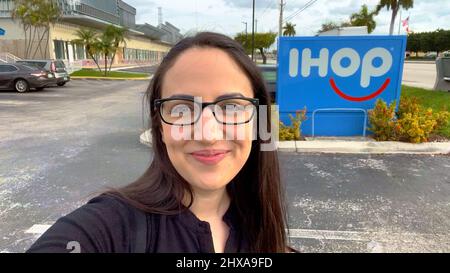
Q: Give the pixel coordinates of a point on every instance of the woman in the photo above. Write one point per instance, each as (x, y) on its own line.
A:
(206, 190)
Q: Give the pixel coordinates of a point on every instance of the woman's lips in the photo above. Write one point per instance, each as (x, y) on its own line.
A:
(209, 157)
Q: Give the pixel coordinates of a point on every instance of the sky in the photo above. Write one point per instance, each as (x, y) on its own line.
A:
(227, 16)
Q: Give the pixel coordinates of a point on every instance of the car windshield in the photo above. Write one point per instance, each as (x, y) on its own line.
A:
(60, 64)
(29, 67)
(33, 64)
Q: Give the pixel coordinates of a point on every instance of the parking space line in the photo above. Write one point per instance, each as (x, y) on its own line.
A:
(329, 234)
(38, 229)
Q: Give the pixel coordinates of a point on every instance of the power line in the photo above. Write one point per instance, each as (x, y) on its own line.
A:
(300, 10)
(307, 5)
(268, 7)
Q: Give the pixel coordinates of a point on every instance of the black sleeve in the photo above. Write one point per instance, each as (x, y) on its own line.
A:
(104, 224)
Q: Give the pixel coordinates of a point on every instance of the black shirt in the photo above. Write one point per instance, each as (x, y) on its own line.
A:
(108, 224)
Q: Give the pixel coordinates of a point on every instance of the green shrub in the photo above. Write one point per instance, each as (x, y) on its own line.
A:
(442, 119)
(416, 127)
(414, 123)
(293, 132)
(382, 121)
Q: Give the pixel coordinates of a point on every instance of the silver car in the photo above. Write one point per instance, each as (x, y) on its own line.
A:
(55, 67)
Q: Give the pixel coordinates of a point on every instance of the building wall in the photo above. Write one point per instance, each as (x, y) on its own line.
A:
(14, 43)
(67, 32)
(14, 40)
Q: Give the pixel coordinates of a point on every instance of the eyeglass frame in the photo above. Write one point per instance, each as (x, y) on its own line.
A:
(159, 102)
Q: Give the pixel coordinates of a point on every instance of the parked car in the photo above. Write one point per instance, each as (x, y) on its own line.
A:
(269, 73)
(430, 55)
(22, 77)
(56, 67)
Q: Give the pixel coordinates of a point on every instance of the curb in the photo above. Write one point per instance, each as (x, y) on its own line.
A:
(146, 138)
(347, 146)
(363, 147)
(421, 62)
(108, 79)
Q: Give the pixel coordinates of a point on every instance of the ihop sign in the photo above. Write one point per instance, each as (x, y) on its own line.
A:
(337, 79)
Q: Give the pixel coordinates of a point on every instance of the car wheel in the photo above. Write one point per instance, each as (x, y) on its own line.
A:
(21, 86)
(39, 88)
(61, 83)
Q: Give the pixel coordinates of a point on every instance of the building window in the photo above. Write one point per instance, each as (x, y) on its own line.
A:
(78, 51)
(59, 49)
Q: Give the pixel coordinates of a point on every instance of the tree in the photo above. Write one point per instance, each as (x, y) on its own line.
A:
(413, 42)
(289, 29)
(442, 40)
(328, 26)
(428, 41)
(104, 46)
(395, 6)
(262, 42)
(364, 18)
(117, 35)
(88, 38)
(36, 16)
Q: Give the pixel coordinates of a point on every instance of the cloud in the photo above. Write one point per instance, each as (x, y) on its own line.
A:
(226, 16)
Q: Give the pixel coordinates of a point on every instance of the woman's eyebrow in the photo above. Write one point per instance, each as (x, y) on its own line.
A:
(229, 95)
(224, 96)
(181, 96)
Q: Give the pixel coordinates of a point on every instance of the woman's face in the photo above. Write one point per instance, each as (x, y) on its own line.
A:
(213, 153)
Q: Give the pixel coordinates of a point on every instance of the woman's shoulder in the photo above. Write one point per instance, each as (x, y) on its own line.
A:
(106, 223)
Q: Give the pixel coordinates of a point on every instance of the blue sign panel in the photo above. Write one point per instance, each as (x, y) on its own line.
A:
(2, 31)
(337, 79)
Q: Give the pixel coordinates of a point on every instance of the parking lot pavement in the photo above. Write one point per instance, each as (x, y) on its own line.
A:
(141, 69)
(368, 203)
(419, 74)
(61, 145)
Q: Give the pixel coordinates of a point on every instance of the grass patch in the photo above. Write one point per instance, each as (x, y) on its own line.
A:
(112, 74)
(436, 100)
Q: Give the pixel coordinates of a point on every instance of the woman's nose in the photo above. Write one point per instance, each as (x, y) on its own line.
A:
(208, 128)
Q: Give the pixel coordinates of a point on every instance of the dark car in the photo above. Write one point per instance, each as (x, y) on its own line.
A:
(269, 72)
(22, 77)
(56, 67)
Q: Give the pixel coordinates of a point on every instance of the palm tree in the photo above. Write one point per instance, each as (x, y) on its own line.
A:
(364, 18)
(36, 16)
(104, 46)
(117, 36)
(395, 6)
(289, 30)
(89, 39)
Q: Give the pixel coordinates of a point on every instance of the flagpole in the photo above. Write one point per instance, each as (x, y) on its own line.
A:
(400, 22)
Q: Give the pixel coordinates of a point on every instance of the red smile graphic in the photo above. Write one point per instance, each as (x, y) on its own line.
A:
(368, 97)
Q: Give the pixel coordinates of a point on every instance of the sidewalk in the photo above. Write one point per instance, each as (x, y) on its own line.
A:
(347, 145)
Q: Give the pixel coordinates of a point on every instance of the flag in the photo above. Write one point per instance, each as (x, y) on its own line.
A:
(405, 24)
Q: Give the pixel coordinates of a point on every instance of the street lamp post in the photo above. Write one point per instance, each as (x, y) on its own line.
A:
(245, 23)
(253, 31)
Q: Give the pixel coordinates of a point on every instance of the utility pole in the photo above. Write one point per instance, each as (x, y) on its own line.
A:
(280, 26)
(245, 23)
(253, 31)
(160, 16)
(246, 36)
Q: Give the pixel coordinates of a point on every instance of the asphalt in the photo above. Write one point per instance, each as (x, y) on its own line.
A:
(61, 146)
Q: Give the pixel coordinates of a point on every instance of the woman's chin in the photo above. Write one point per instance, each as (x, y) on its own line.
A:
(211, 184)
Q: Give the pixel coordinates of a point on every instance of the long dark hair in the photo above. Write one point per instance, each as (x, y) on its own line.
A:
(256, 190)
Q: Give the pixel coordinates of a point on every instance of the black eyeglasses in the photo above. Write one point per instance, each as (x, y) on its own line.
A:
(186, 111)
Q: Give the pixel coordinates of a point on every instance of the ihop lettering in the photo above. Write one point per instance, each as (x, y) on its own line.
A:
(354, 64)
